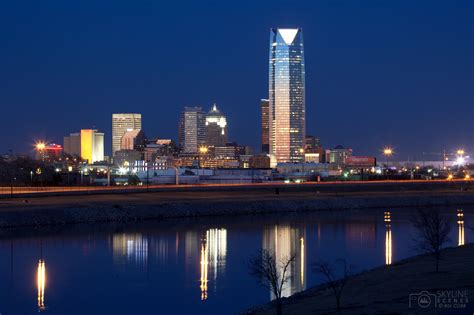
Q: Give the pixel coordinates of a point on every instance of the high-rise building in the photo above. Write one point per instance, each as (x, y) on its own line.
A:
(87, 144)
(287, 95)
(216, 128)
(72, 144)
(311, 142)
(133, 140)
(92, 145)
(192, 129)
(121, 123)
(265, 112)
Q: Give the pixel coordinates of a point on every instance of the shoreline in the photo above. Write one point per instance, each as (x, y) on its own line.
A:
(157, 206)
(387, 289)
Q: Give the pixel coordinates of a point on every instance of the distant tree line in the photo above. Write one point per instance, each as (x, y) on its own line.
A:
(25, 171)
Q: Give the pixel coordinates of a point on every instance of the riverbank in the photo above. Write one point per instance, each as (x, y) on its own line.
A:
(386, 290)
(51, 210)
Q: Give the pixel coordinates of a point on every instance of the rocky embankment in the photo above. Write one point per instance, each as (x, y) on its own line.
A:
(133, 207)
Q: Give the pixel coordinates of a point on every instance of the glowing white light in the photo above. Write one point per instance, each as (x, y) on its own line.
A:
(122, 171)
(461, 160)
(288, 34)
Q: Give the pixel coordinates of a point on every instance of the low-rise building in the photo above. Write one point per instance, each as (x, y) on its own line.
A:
(259, 161)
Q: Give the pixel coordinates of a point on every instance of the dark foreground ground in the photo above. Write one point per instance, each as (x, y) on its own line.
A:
(387, 290)
(159, 203)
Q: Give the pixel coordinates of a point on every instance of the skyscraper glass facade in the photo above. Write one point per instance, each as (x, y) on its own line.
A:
(287, 95)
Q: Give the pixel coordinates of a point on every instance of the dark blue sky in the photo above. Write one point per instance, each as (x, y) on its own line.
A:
(377, 72)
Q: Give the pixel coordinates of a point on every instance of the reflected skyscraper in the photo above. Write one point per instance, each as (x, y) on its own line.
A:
(284, 241)
(388, 237)
(287, 95)
(204, 263)
(130, 248)
(213, 258)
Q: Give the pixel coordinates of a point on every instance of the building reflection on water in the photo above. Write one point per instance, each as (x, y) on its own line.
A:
(285, 241)
(41, 282)
(460, 227)
(388, 237)
(130, 248)
(212, 258)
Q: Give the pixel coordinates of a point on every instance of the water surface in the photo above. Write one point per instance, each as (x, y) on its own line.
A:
(191, 266)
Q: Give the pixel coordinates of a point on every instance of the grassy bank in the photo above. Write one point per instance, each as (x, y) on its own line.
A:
(386, 290)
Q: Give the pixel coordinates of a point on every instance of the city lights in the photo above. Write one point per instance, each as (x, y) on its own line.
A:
(203, 150)
(40, 145)
(387, 151)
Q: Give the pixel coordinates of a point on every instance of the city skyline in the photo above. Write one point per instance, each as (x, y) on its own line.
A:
(355, 76)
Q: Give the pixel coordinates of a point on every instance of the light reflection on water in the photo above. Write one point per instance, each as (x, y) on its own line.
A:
(41, 282)
(460, 227)
(196, 266)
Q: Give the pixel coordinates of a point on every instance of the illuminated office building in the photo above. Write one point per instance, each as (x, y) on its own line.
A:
(287, 95)
(216, 128)
(92, 145)
(133, 140)
(121, 123)
(87, 144)
(72, 144)
(265, 112)
(192, 129)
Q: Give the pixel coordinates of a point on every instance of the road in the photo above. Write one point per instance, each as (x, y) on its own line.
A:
(241, 192)
(22, 191)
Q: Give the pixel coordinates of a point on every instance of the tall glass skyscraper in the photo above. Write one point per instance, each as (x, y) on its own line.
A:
(287, 95)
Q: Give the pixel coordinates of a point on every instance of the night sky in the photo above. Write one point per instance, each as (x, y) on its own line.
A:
(378, 73)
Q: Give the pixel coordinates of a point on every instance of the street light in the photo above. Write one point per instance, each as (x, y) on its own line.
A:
(40, 145)
(302, 153)
(203, 151)
(460, 152)
(388, 152)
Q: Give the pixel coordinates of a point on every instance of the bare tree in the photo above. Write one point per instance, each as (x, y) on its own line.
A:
(271, 273)
(432, 232)
(334, 279)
